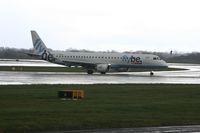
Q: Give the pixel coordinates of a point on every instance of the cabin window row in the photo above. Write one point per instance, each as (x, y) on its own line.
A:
(91, 57)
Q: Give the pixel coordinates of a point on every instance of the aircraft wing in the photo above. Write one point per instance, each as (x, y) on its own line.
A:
(84, 64)
(32, 54)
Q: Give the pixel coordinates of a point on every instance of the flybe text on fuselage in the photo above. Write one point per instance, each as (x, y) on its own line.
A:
(131, 59)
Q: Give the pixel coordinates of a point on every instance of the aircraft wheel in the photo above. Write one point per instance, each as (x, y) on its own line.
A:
(103, 72)
(151, 73)
(90, 71)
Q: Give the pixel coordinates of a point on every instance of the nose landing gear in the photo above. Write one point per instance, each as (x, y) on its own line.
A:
(151, 73)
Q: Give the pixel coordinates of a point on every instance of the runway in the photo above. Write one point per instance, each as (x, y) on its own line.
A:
(190, 76)
(166, 129)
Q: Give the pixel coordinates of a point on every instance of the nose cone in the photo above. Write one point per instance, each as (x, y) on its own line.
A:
(163, 64)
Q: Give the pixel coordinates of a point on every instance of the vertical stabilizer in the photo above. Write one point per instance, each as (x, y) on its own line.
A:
(40, 48)
(38, 44)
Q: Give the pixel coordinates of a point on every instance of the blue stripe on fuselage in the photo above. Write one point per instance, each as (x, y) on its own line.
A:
(136, 66)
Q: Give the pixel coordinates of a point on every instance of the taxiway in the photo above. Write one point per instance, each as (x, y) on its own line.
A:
(190, 76)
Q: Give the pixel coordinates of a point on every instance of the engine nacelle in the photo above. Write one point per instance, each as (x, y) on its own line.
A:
(103, 68)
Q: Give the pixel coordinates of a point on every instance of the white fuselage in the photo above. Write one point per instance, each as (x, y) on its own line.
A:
(115, 60)
(99, 61)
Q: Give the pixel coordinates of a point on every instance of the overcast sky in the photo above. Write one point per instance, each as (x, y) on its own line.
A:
(152, 25)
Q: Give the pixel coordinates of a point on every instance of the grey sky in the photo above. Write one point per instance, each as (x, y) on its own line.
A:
(152, 25)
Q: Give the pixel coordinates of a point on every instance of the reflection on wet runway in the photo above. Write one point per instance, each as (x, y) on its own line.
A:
(25, 62)
(191, 76)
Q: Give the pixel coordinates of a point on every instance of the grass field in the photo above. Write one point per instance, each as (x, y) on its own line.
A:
(72, 69)
(28, 108)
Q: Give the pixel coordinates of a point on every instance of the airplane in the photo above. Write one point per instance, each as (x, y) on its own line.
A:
(101, 62)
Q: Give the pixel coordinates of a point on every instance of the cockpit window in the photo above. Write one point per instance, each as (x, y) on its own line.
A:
(156, 58)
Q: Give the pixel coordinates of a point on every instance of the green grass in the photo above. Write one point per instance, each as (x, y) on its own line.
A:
(72, 69)
(28, 108)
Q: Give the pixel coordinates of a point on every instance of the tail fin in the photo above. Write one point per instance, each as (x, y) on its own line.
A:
(40, 48)
(38, 44)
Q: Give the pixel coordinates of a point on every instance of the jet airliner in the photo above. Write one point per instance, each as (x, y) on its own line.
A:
(100, 62)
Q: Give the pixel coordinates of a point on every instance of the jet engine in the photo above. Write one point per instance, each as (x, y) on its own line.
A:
(103, 68)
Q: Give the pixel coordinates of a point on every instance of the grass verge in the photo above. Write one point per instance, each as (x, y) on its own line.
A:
(29, 108)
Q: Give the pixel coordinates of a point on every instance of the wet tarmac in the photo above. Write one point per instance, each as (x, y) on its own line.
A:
(25, 62)
(167, 129)
(190, 76)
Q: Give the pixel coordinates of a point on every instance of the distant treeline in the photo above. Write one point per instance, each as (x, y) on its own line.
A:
(14, 53)
(185, 58)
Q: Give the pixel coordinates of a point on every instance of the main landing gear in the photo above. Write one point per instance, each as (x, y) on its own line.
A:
(90, 71)
(103, 72)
